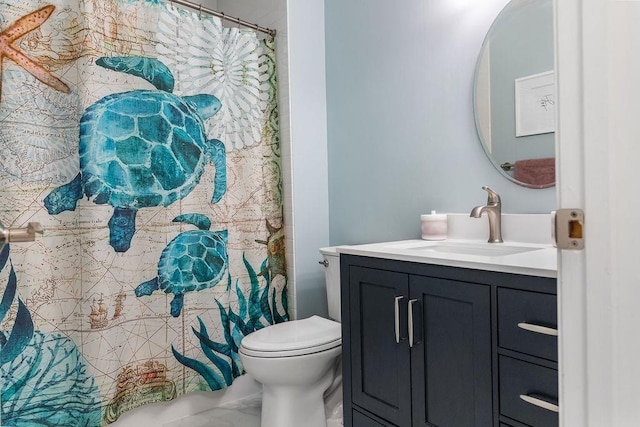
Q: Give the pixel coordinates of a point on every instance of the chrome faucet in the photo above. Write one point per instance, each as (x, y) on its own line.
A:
(494, 212)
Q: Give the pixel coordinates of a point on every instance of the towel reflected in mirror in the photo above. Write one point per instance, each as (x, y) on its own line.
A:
(536, 173)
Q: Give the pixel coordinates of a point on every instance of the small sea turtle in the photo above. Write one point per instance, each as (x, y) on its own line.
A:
(194, 260)
(142, 148)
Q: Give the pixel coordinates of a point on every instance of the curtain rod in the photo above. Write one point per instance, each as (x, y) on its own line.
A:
(222, 15)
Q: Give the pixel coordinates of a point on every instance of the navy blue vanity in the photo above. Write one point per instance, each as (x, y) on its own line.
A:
(447, 346)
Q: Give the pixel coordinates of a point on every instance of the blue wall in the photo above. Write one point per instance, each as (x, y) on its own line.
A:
(401, 133)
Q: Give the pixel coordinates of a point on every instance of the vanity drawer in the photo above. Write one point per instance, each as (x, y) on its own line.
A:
(520, 379)
(525, 320)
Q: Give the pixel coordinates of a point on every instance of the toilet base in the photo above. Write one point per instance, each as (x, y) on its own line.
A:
(294, 406)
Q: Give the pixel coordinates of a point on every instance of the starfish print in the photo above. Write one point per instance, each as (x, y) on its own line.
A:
(18, 29)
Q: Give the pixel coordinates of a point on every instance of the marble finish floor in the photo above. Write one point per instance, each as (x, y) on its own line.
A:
(221, 417)
(246, 415)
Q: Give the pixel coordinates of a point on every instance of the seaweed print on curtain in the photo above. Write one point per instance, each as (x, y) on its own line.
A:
(145, 140)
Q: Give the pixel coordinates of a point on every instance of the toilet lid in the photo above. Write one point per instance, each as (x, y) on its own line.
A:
(297, 336)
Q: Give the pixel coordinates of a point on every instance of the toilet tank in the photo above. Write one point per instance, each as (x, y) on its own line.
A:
(331, 260)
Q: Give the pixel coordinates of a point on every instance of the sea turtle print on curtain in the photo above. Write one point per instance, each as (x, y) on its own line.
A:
(192, 261)
(129, 114)
(141, 148)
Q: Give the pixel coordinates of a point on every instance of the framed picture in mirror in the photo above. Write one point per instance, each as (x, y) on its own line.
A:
(535, 97)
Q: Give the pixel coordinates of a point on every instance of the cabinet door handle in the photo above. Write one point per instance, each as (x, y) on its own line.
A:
(538, 329)
(540, 403)
(414, 336)
(397, 318)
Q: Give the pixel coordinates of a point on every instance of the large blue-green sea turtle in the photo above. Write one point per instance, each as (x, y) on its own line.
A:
(194, 260)
(142, 148)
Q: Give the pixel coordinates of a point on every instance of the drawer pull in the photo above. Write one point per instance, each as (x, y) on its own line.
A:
(540, 403)
(538, 329)
(397, 318)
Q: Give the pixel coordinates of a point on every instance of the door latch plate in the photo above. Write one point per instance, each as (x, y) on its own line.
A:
(569, 228)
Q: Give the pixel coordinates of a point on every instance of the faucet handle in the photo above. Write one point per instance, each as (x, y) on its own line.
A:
(492, 196)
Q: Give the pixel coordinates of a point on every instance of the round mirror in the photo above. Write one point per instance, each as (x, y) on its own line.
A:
(514, 93)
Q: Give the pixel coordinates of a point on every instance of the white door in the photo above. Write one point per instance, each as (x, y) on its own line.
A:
(598, 64)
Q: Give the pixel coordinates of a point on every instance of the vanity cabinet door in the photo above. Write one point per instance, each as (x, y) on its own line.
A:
(360, 420)
(380, 372)
(451, 359)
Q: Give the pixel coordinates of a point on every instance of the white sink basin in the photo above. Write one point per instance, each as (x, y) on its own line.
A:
(478, 249)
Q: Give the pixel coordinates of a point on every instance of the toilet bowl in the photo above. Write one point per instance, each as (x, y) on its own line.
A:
(296, 361)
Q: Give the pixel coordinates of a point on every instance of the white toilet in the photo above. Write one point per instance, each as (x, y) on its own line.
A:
(295, 361)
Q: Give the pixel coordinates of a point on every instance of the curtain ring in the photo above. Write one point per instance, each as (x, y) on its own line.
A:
(200, 13)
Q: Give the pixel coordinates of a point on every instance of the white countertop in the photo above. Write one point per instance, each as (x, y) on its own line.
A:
(538, 259)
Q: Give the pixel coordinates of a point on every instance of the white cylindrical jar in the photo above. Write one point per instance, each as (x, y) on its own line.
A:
(434, 226)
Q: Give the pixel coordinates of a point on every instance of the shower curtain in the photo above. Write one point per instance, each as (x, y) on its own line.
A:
(144, 138)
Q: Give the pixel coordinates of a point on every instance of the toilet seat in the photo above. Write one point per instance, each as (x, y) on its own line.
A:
(293, 338)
